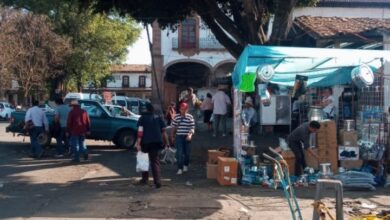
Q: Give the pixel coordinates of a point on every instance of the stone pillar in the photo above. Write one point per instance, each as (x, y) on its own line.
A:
(157, 64)
(386, 46)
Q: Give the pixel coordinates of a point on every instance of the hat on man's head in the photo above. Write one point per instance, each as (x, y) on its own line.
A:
(74, 102)
(248, 102)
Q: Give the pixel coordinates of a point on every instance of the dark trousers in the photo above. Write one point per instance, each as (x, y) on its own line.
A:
(300, 162)
(154, 160)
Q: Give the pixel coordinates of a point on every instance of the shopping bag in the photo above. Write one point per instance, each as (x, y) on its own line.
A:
(168, 155)
(142, 162)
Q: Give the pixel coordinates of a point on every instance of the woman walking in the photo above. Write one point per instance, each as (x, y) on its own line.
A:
(183, 128)
(207, 107)
(150, 139)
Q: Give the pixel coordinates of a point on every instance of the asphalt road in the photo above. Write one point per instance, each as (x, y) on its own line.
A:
(103, 188)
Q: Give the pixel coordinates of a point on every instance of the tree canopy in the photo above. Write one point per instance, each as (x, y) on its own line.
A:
(31, 51)
(235, 23)
(97, 39)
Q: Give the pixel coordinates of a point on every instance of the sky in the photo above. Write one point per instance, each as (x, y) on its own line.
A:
(139, 52)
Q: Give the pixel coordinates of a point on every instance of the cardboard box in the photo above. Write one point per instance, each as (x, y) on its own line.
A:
(289, 157)
(227, 171)
(348, 138)
(348, 153)
(214, 154)
(212, 171)
(311, 161)
(351, 164)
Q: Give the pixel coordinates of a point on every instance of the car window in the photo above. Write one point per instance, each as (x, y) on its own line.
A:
(133, 106)
(1, 105)
(120, 102)
(92, 109)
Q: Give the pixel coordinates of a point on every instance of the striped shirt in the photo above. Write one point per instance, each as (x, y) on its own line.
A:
(184, 124)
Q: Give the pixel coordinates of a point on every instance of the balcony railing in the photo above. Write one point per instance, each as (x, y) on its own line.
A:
(204, 44)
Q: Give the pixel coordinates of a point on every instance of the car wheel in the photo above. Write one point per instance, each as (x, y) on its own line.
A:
(6, 117)
(125, 139)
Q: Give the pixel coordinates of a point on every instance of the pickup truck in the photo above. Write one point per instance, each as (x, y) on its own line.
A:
(120, 130)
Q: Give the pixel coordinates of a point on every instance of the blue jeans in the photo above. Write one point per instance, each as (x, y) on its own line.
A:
(183, 151)
(77, 143)
(62, 142)
(36, 148)
(217, 119)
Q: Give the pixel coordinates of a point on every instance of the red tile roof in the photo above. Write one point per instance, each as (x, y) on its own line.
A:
(139, 68)
(328, 27)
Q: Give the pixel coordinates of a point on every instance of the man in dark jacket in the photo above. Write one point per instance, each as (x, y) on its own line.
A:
(150, 139)
(78, 126)
(302, 135)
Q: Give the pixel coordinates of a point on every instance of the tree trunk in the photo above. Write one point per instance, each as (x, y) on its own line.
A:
(283, 20)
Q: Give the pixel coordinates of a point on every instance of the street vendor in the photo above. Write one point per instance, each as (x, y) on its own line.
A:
(328, 103)
(302, 135)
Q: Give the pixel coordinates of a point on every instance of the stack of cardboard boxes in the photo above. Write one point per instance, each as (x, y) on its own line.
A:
(222, 168)
(348, 152)
(326, 149)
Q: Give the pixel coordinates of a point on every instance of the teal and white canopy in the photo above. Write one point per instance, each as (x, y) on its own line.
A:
(324, 67)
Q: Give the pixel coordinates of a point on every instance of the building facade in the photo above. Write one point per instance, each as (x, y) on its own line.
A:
(130, 80)
(189, 57)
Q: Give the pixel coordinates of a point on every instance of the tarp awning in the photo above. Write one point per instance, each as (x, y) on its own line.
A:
(324, 67)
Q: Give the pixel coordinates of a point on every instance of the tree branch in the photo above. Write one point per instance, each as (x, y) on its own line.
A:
(234, 48)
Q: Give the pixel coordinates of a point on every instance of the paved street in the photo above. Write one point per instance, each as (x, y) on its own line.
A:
(103, 187)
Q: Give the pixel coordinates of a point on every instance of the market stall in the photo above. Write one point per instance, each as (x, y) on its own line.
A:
(305, 72)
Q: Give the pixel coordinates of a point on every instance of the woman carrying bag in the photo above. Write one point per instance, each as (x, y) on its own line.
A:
(150, 139)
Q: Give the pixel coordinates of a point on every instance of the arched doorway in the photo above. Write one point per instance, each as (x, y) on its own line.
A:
(222, 73)
(181, 75)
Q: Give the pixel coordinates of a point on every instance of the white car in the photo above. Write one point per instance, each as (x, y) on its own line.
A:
(134, 104)
(116, 111)
(5, 110)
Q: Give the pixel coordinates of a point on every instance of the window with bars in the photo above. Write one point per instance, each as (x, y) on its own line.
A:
(188, 33)
(125, 81)
(142, 81)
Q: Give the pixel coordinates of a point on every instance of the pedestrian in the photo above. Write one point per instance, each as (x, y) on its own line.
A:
(191, 100)
(301, 135)
(183, 130)
(249, 116)
(170, 113)
(36, 122)
(151, 138)
(207, 108)
(79, 126)
(60, 119)
(220, 107)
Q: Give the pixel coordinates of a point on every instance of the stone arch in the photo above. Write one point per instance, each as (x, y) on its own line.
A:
(221, 71)
(187, 72)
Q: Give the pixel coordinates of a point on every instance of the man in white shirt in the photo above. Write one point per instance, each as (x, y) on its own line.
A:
(328, 103)
(220, 102)
(38, 119)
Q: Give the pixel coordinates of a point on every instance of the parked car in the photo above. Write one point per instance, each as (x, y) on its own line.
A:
(116, 111)
(5, 110)
(81, 96)
(134, 104)
(120, 130)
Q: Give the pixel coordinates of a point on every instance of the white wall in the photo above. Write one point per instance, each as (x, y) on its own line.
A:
(343, 12)
(133, 80)
(212, 57)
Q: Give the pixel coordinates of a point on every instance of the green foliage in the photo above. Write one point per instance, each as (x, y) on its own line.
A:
(97, 39)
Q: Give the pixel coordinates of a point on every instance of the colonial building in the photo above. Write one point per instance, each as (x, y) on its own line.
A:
(130, 80)
(190, 56)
